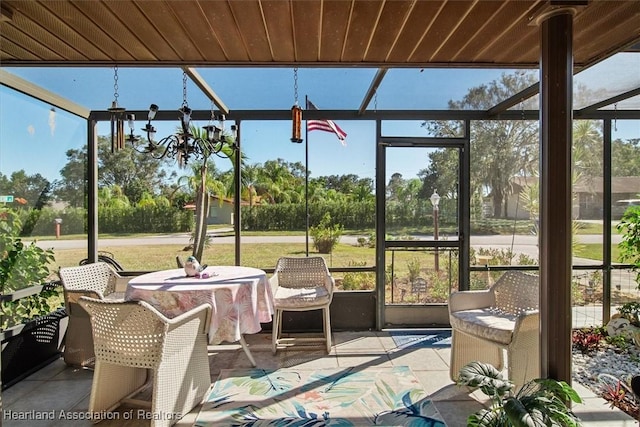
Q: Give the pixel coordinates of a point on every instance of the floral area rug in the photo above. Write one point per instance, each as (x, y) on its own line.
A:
(325, 397)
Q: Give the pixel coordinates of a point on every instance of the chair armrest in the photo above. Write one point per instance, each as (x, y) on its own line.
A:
(203, 310)
(466, 300)
(529, 320)
(72, 300)
(330, 283)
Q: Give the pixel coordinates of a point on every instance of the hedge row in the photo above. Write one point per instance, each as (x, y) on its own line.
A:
(278, 217)
(42, 222)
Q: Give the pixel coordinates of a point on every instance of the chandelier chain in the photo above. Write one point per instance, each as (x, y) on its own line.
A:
(184, 90)
(115, 84)
(615, 117)
(295, 86)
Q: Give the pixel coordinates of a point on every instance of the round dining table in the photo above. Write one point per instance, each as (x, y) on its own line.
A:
(240, 297)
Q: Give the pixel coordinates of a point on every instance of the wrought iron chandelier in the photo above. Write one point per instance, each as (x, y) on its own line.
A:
(184, 145)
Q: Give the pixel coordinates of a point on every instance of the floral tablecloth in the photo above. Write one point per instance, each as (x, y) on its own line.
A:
(240, 297)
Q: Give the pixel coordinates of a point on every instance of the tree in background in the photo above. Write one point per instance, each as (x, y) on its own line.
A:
(72, 188)
(625, 157)
(35, 189)
(204, 180)
(135, 173)
(500, 149)
(200, 184)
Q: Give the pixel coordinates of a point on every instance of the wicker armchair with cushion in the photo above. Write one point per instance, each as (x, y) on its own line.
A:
(301, 284)
(95, 280)
(505, 316)
(136, 345)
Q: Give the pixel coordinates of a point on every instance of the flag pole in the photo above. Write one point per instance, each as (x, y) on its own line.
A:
(306, 177)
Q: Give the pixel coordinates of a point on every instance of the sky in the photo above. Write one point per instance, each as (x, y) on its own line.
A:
(33, 128)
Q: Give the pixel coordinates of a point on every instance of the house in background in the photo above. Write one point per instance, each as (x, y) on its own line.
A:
(588, 194)
(220, 210)
(515, 206)
(587, 201)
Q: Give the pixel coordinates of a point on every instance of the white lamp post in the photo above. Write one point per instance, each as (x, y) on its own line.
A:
(435, 201)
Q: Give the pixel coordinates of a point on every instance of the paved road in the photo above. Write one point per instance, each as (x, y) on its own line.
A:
(519, 243)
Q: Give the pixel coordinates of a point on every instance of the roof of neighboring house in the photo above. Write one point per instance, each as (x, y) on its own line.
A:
(523, 181)
(225, 200)
(619, 184)
(229, 200)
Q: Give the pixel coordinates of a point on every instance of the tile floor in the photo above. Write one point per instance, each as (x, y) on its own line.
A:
(62, 389)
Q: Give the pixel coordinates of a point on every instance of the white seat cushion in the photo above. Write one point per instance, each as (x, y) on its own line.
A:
(301, 297)
(486, 323)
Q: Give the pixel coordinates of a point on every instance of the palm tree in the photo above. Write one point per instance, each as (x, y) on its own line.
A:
(202, 182)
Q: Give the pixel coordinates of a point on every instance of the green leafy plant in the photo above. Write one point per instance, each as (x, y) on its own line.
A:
(360, 280)
(631, 312)
(21, 266)
(629, 246)
(414, 269)
(540, 402)
(325, 235)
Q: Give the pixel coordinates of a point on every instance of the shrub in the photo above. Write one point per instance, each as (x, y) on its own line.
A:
(325, 235)
(587, 340)
(414, 269)
(357, 281)
(631, 312)
(629, 227)
(21, 265)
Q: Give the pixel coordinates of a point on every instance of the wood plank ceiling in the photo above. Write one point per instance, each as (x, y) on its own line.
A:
(393, 33)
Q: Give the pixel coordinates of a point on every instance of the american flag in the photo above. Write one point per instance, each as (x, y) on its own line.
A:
(325, 125)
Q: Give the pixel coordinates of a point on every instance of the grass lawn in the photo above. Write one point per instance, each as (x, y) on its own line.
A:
(261, 255)
(594, 251)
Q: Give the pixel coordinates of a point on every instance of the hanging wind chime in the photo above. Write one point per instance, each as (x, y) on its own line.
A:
(117, 117)
(296, 112)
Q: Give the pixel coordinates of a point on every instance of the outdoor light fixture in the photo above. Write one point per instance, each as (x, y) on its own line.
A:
(183, 144)
(117, 117)
(435, 201)
(296, 120)
(296, 112)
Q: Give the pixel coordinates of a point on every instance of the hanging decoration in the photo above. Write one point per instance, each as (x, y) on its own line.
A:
(117, 117)
(296, 112)
(184, 145)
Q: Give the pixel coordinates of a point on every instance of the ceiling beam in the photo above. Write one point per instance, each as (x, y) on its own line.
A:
(612, 100)
(375, 83)
(204, 87)
(514, 100)
(30, 89)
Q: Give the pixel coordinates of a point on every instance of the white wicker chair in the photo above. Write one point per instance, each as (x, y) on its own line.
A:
(136, 344)
(505, 316)
(301, 284)
(96, 280)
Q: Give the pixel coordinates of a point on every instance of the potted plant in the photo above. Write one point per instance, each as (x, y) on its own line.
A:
(540, 402)
(31, 305)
